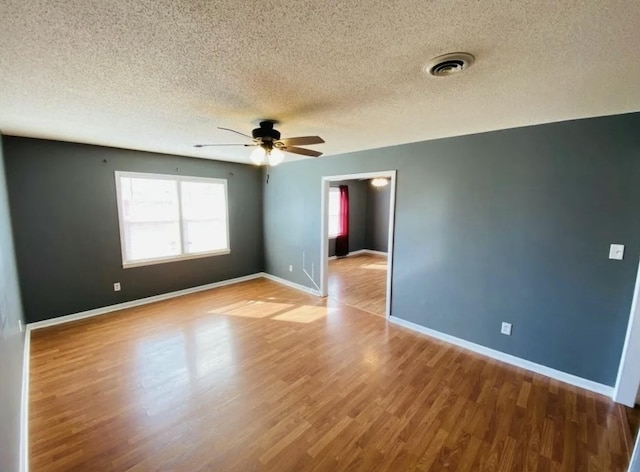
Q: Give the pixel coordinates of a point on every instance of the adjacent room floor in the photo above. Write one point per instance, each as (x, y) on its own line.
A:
(257, 376)
(360, 281)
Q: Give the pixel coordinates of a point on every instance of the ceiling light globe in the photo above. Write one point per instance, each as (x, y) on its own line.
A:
(275, 157)
(379, 182)
(257, 155)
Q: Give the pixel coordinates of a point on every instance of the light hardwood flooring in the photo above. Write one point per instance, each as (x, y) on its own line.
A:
(260, 377)
(360, 281)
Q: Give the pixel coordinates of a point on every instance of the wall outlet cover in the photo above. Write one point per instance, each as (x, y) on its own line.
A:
(116, 287)
(616, 252)
(506, 328)
(290, 268)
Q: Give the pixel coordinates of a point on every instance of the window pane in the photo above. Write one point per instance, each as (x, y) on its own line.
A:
(149, 199)
(151, 218)
(204, 211)
(153, 240)
(334, 212)
(334, 227)
(202, 236)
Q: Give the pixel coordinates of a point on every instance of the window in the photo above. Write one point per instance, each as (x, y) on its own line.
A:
(334, 212)
(165, 218)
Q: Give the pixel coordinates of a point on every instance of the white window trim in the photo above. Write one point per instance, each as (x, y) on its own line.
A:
(182, 257)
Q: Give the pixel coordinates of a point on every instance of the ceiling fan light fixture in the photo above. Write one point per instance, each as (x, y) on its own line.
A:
(379, 182)
(275, 157)
(258, 155)
(269, 148)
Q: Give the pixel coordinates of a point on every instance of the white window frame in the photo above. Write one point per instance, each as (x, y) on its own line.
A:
(177, 179)
(336, 190)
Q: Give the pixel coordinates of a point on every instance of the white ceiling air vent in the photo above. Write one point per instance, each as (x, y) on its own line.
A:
(449, 64)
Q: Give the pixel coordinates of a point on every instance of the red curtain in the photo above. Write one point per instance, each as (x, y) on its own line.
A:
(342, 240)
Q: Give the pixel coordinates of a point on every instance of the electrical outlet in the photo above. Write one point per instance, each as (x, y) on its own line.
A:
(506, 328)
(116, 287)
(290, 268)
(616, 251)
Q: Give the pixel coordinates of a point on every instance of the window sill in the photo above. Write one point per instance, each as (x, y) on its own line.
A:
(164, 260)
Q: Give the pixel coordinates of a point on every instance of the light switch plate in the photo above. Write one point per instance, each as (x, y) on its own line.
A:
(506, 328)
(616, 251)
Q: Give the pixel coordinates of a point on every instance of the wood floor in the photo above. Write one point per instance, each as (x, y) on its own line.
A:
(360, 281)
(260, 377)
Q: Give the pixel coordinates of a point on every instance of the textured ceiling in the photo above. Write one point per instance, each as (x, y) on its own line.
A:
(161, 75)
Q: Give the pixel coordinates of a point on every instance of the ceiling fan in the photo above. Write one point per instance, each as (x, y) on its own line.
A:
(268, 145)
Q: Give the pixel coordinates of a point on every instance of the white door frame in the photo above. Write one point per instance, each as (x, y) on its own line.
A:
(324, 227)
(628, 380)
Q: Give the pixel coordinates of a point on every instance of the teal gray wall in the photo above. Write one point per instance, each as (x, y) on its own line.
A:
(11, 339)
(377, 230)
(63, 205)
(512, 225)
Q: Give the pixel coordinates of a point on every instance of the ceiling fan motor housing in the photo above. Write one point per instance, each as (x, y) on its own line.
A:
(265, 132)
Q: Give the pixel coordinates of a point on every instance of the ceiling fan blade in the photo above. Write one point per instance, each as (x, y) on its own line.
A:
(302, 151)
(237, 132)
(302, 141)
(235, 144)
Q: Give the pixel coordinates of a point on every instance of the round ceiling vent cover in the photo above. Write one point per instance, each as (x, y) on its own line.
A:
(449, 64)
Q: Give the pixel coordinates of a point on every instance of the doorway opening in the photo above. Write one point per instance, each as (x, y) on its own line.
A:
(627, 388)
(357, 228)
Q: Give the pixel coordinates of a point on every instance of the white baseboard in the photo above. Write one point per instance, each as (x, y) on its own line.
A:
(377, 253)
(361, 251)
(24, 408)
(508, 358)
(164, 296)
(141, 301)
(288, 283)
